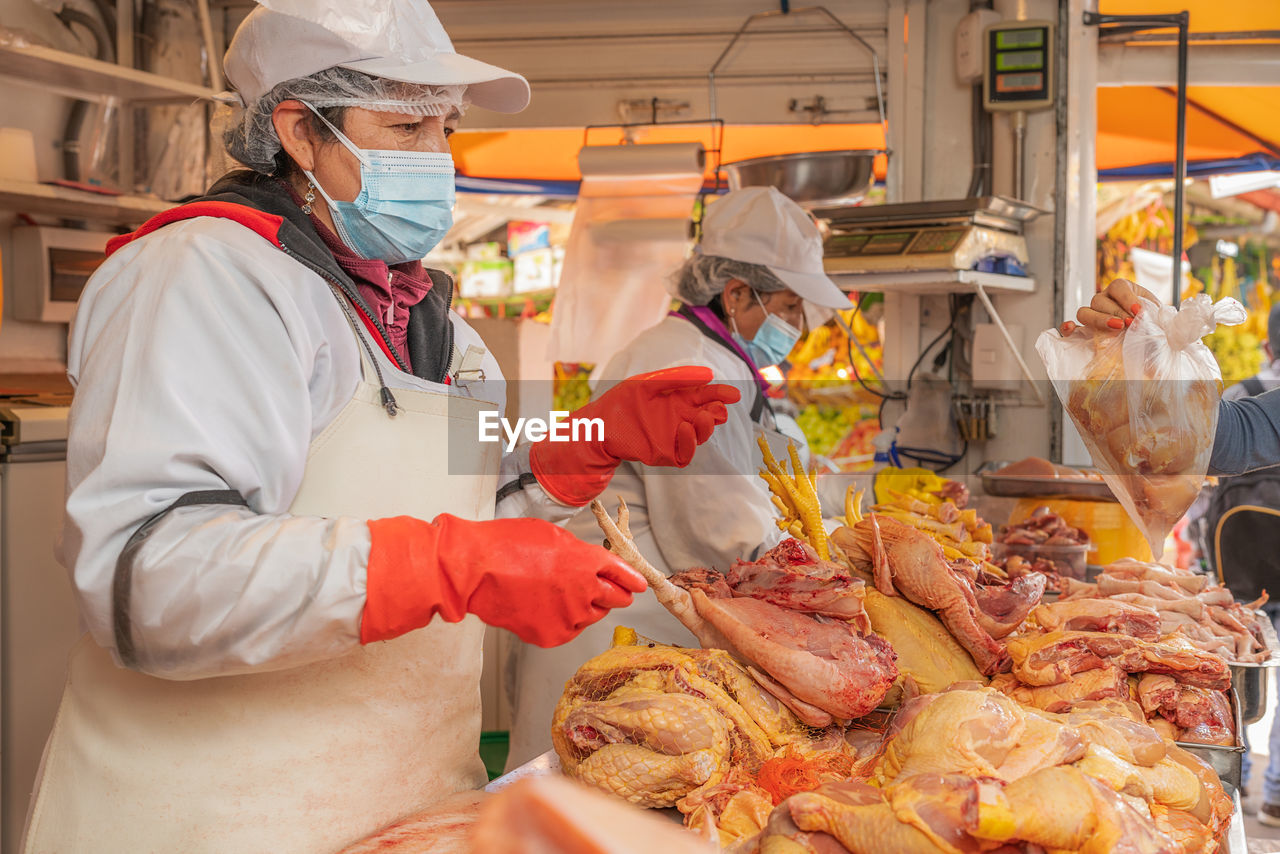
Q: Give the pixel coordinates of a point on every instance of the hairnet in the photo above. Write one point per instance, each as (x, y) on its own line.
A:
(251, 137)
(701, 277)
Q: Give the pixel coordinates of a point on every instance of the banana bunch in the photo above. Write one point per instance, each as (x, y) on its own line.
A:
(1238, 349)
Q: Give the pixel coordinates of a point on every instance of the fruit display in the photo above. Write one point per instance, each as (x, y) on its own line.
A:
(839, 431)
(1238, 349)
(571, 390)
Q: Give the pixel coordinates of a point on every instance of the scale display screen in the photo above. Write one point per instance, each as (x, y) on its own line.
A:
(943, 240)
(846, 244)
(1017, 73)
(890, 243)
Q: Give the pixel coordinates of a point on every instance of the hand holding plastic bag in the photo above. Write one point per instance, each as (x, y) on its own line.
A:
(1145, 401)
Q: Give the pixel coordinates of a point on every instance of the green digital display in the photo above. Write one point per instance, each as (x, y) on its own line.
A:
(1020, 60)
(1011, 39)
(887, 244)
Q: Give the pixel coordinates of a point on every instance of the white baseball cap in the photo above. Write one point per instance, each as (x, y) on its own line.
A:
(759, 225)
(402, 41)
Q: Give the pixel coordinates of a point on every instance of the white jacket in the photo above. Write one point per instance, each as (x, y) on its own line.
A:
(717, 509)
(205, 358)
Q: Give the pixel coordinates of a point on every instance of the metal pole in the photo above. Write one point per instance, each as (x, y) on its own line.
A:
(1180, 162)
(1019, 155)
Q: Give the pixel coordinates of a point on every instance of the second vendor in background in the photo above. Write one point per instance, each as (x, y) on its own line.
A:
(743, 295)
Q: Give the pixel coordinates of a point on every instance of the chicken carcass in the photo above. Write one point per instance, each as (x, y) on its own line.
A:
(904, 560)
(979, 732)
(929, 657)
(1051, 658)
(1099, 615)
(1063, 808)
(654, 724)
(819, 667)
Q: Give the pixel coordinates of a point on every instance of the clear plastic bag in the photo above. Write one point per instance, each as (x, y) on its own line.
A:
(1145, 401)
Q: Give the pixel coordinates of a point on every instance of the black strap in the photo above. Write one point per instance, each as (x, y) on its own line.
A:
(122, 581)
(759, 403)
(510, 488)
(1253, 386)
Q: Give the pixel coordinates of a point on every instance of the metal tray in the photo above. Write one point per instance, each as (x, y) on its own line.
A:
(1227, 761)
(1250, 680)
(1040, 487)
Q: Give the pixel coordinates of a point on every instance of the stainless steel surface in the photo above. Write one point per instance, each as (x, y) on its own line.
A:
(539, 766)
(1250, 680)
(1227, 761)
(1040, 487)
(1237, 843)
(985, 210)
(811, 178)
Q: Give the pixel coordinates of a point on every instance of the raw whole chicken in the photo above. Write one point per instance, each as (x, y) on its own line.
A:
(821, 668)
(905, 560)
(653, 724)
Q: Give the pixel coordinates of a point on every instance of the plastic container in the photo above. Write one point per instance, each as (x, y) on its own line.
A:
(1111, 535)
(1069, 561)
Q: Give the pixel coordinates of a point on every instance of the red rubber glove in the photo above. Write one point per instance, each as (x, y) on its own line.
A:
(526, 575)
(659, 419)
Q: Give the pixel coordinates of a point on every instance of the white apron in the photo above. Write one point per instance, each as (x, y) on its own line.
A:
(304, 760)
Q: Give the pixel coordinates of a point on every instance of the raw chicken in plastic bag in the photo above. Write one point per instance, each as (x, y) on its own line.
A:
(1145, 401)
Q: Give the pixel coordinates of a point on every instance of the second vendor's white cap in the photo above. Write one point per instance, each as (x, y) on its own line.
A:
(402, 41)
(759, 225)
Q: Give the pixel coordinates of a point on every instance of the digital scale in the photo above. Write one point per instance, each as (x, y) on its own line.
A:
(958, 234)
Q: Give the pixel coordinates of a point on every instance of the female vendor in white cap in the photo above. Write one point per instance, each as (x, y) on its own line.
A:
(280, 513)
(743, 295)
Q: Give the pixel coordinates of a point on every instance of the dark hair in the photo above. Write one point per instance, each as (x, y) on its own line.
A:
(285, 167)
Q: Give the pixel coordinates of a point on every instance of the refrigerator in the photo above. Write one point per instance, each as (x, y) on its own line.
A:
(39, 621)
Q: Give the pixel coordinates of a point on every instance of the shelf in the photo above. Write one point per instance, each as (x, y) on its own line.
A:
(932, 282)
(92, 78)
(31, 198)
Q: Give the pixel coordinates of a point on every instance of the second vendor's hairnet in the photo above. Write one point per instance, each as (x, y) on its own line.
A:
(252, 140)
(701, 277)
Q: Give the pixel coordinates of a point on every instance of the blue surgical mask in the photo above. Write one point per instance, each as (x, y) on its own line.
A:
(773, 340)
(405, 205)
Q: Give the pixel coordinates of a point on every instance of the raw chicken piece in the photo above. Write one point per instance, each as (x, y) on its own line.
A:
(907, 561)
(899, 825)
(1190, 582)
(980, 732)
(1099, 615)
(792, 576)
(1204, 716)
(1003, 607)
(929, 657)
(1098, 684)
(819, 668)
(1052, 658)
(1064, 808)
(783, 836)
(551, 815)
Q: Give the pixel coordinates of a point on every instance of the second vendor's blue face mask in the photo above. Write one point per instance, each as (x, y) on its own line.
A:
(405, 205)
(773, 340)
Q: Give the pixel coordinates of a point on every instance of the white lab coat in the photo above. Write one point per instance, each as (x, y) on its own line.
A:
(711, 513)
(206, 358)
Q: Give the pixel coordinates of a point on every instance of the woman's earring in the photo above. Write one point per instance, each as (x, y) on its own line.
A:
(308, 198)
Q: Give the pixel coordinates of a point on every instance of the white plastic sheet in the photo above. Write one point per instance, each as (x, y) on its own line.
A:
(630, 233)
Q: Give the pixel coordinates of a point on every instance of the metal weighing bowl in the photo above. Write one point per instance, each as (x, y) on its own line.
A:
(1250, 680)
(812, 179)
